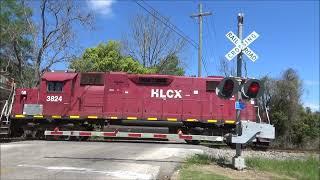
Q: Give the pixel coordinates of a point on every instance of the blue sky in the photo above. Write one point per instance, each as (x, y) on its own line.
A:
(289, 34)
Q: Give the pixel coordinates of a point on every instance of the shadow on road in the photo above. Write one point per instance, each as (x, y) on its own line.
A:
(115, 159)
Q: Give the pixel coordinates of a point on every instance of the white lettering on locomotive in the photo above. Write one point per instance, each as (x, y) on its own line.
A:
(54, 98)
(167, 94)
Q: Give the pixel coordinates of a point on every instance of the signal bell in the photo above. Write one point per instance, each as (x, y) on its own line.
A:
(227, 87)
(252, 88)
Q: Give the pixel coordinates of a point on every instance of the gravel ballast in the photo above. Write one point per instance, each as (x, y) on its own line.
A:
(270, 154)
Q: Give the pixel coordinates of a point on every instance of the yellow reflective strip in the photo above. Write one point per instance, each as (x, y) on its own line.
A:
(229, 121)
(172, 119)
(38, 116)
(92, 117)
(19, 116)
(56, 117)
(152, 119)
(191, 120)
(132, 118)
(113, 117)
(74, 117)
(212, 120)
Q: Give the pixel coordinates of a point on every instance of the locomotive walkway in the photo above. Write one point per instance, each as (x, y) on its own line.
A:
(92, 160)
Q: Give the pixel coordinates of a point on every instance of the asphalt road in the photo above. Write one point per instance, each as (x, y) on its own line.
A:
(92, 160)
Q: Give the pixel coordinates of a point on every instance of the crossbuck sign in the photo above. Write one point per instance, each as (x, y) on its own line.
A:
(242, 46)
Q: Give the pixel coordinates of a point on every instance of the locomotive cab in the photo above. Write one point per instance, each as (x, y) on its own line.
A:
(56, 91)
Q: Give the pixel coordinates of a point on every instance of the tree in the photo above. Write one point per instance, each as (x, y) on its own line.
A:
(108, 57)
(170, 65)
(53, 36)
(295, 126)
(151, 41)
(15, 44)
(285, 102)
(225, 68)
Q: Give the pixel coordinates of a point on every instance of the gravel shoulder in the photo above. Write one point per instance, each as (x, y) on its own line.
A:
(279, 155)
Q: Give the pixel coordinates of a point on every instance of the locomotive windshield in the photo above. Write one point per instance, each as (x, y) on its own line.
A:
(54, 86)
(96, 79)
(211, 85)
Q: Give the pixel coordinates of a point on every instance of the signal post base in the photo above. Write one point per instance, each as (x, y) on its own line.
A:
(238, 162)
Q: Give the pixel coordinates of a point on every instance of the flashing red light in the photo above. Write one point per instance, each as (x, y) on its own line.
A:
(254, 88)
(228, 86)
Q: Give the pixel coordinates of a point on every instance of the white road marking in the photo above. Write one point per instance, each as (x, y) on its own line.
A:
(10, 146)
(150, 172)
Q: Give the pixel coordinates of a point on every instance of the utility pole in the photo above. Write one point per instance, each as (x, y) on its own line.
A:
(238, 161)
(239, 75)
(199, 16)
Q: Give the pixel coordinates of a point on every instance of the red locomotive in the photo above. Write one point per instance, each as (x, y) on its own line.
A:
(85, 101)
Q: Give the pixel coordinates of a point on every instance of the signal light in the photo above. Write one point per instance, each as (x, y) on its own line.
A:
(252, 88)
(227, 87)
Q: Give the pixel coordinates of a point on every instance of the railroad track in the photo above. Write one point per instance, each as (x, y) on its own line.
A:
(294, 150)
(11, 139)
(213, 145)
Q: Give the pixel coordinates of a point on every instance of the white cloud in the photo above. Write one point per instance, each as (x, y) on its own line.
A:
(313, 107)
(103, 7)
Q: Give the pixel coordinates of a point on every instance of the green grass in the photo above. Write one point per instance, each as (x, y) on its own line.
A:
(188, 173)
(204, 159)
(192, 168)
(301, 169)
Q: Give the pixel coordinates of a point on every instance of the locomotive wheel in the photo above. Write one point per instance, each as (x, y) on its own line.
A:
(83, 138)
(67, 138)
(49, 138)
(27, 134)
(193, 142)
(192, 132)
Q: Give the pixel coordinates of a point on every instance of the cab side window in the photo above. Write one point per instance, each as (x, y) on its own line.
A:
(54, 86)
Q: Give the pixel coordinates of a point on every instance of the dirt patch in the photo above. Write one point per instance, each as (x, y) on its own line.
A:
(233, 174)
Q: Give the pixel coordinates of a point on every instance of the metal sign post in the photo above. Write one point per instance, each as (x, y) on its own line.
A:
(237, 161)
(241, 47)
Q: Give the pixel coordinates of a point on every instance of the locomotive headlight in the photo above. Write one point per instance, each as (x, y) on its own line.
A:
(24, 93)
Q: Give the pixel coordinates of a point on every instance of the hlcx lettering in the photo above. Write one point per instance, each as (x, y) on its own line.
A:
(159, 93)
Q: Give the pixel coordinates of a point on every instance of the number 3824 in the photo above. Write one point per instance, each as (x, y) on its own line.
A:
(54, 98)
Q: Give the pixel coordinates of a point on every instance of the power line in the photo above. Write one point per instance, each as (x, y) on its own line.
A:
(167, 20)
(213, 40)
(170, 25)
(204, 65)
(195, 45)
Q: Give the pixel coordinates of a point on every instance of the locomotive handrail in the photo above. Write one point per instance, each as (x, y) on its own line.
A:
(258, 113)
(267, 113)
(3, 109)
(6, 110)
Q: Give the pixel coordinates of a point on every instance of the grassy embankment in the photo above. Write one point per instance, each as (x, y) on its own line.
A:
(196, 167)
(300, 169)
(192, 168)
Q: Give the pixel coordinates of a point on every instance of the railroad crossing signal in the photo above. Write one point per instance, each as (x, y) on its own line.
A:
(227, 87)
(252, 88)
(242, 46)
(249, 88)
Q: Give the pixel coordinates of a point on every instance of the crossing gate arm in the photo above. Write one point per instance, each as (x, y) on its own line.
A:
(252, 130)
(172, 137)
